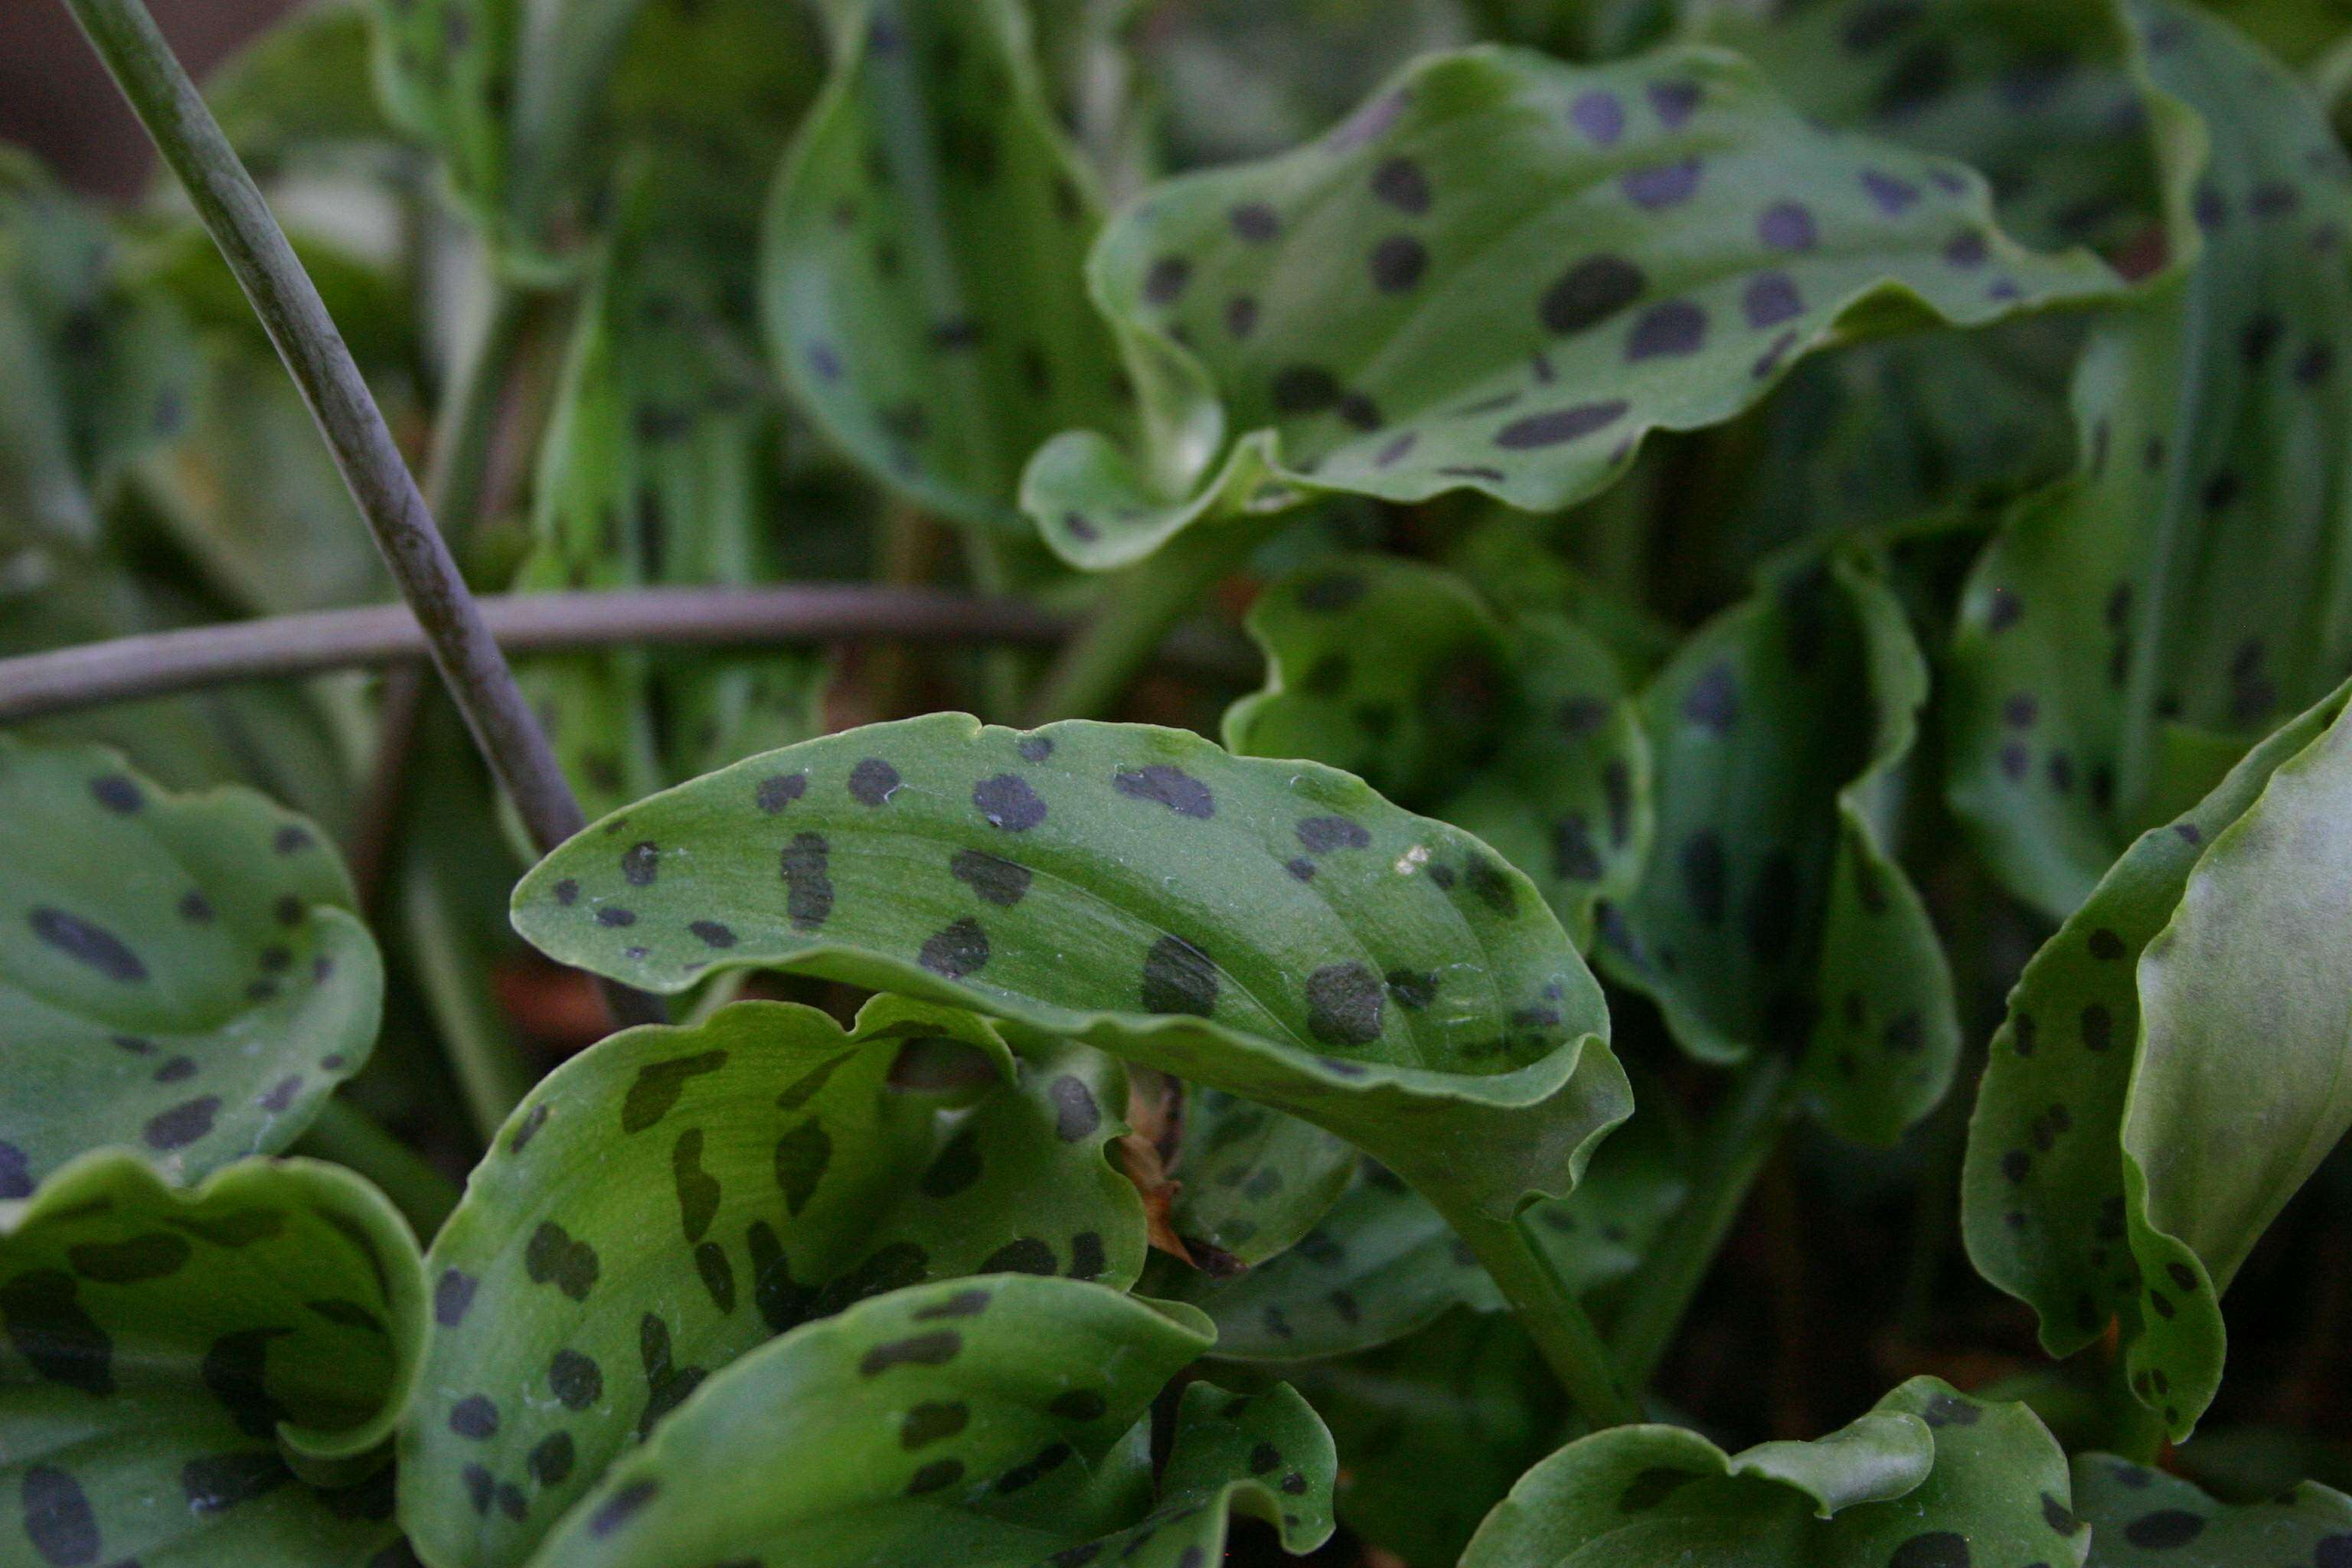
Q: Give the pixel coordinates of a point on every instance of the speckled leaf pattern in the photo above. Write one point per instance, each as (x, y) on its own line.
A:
(1929, 1478)
(2193, 996)
(1500, 273)
(1251, 1180)
(1773, 916)
(990, 1423)
(2051, 101)
(673, 1197)
(99, 368)
(1433, 1430)
(2141, 1518)
(1132, 887)
(2132, 629)
(654, 471)
(922, 269)
(193, 1378)
(181, 974)
(1519, 729)
(1382, 1265)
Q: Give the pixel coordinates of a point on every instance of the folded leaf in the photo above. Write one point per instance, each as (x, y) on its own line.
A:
(203, 1378)
(2141, 1518)
(656, 470)
(1773, 916)
(301, 88)
(1499, 274)
(1273, 929)
(2132, 629)
(1519, 730)
(2194, 996)
(1433, 1430)
(181, 973)
(1929, 1478)
(672, 1197)
(921, 268)
(975, 1424)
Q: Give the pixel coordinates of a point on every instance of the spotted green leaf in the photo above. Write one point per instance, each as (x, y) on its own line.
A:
(1774, 916)
(2052, 101)
(656, 470)
(1433, 1430)
(2141, 1518)
(206, 1377)
(921, 268)
(2193, 996)
(1250, 1180)
(671, 1198)
(1382, 1265)
(2132, 628)
(99, 366)
(1928, 1479)
(1132, 888)
(181, 973)
(1499, 274)
(1519, 729)
(978, 1424)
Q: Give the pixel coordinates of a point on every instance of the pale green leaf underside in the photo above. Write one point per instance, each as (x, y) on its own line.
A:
(1929, 1478)
(1772, 916)
(977, 1424)
(673, 1197)
(2141, 1518)
(172, 1359)
(1132, 887)
(922, 269)
(2132, 628)
(1500, 273)
(180, 974)
(2192, 997)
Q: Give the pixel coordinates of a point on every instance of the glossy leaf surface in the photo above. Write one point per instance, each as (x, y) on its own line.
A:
(1519, 730)
(1929, 1477)
(203, 1378)
(1131, 886)
(181, 974)
(2192, 997)
(671, 1198)
(921, 273)
(1774, 916)
(2133, 630)
(2141, 1518)
(1499, 274)
(978, 1424)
